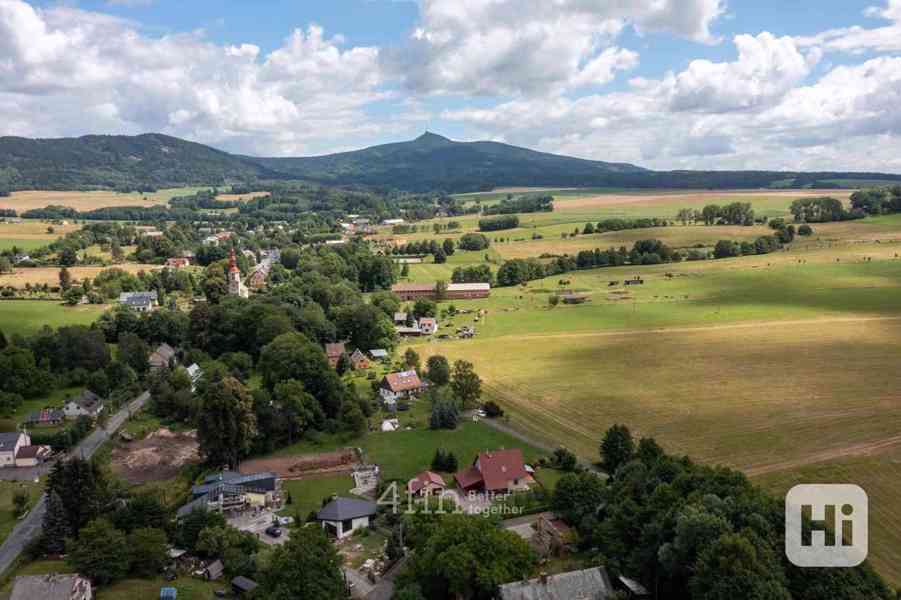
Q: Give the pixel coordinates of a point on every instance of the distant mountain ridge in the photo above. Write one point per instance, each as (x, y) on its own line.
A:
(435, 162)
(118, 161)
(429, 162)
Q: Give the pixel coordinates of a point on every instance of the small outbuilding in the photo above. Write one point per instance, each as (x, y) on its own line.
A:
(243, 586)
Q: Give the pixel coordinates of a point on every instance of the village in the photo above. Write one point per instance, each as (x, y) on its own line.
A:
(260, 497)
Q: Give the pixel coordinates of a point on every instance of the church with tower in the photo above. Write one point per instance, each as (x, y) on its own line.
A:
(236, 287)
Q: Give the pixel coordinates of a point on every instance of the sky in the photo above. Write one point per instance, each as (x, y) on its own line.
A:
(665, 84)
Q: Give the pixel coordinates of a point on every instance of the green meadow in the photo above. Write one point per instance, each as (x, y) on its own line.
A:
(27, 316)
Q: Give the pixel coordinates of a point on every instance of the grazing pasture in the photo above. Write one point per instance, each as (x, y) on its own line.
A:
(782, 365)
(27, 200)
(27, 316)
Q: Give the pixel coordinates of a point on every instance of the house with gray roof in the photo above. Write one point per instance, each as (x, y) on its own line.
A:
(231, 491)
(86, 404)
(342, 516)
(587, 584)
(10, 443)
(140, 301)
(162, 357)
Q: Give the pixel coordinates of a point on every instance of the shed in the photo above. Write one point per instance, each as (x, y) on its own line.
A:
(214, 570)
(242, 585)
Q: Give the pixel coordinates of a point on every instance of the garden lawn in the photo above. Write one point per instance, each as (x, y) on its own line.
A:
(307, 494)
(7, 490)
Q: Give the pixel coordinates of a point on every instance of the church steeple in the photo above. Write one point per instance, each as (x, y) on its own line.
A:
(236, 287)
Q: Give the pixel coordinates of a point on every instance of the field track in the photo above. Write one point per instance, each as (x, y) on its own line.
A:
(873, 448)
(699, 329)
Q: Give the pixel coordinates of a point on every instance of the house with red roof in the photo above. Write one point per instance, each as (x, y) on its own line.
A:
(426, 484)
(334, 353)
(496, 471)
(400, 385)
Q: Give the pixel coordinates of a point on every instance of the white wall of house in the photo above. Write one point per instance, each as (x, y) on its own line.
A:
(8, 456)
(340, 526)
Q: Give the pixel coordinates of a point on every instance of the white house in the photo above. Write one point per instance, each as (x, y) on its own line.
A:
(342, 516)
(195, 373)
(428, 326)
(88, 404)
(10, 443)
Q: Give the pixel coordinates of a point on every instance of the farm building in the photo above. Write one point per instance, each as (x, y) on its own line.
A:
(87, 404)
(334, 352)
(140, 301)
(178, 263)
(342, 516)
(51, 587)
(400, 318)
(400, 385)
(590, 584)
(379, 354)
(455, 291)
(495, 471)
(46, 417)
(359, 359)
(428, 325)
(404, 331)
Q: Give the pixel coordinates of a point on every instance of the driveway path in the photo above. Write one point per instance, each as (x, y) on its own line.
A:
(28, 528)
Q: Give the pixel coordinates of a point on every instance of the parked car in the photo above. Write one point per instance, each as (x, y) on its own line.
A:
(274, 531)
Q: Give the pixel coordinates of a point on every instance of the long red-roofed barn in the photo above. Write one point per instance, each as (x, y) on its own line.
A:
(455, 291)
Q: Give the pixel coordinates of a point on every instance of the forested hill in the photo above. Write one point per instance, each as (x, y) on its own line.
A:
(434, 162)
(430, 162)
(118, 162)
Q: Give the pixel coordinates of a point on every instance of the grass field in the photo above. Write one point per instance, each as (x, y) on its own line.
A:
(7, 490)
(27, 316)
(782, 365)
(22, 201)
(30, 235)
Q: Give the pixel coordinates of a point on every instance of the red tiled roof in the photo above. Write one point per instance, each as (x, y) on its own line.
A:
(403, 381)
(334, 350)
(499, 467)
(423, 479)
(29, 451)
(468, 477)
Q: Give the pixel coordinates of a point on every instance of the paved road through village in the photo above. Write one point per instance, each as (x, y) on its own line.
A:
(29, 527)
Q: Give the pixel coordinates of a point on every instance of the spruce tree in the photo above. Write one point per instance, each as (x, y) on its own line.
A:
(56, 525)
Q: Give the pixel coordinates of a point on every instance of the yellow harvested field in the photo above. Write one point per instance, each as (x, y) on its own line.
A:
(35, 230)
(247, 196)
(28, 200)
(50, 275)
